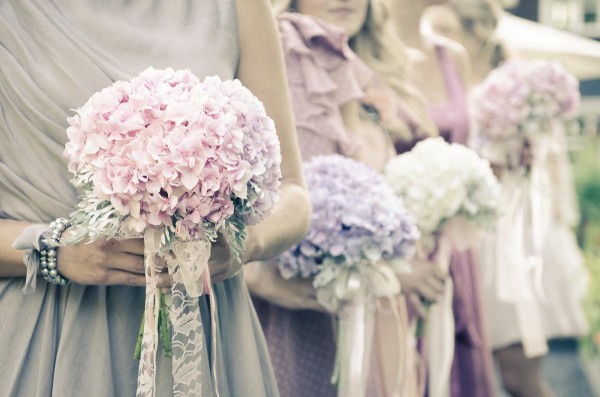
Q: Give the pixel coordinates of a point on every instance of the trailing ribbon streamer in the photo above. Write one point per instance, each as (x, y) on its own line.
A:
(353, 295)
(519, 245)
(457, 235)
(441, 328)
(397, 373)
(188, 266)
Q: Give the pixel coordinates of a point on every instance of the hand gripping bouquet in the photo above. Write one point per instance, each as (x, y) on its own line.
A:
(451, 192)
(177, 161)
(357, 225)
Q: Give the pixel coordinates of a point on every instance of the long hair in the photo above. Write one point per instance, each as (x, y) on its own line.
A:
(480, 12)
(380, 47)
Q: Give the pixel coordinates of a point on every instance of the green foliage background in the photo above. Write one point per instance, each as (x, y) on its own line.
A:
(586, 171)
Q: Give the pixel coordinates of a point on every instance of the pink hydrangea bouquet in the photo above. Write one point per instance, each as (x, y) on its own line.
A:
(177, 161)
(357, 227)
(518, 101)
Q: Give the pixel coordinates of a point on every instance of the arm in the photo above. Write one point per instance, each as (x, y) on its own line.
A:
(262, 70)
(99, 263)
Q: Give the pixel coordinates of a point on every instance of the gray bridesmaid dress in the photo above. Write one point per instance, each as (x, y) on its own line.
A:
(78, 340)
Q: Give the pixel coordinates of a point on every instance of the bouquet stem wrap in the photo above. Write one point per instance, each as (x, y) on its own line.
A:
(188, 266)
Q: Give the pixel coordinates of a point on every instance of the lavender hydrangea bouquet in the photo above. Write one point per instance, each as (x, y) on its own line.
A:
(358, 224)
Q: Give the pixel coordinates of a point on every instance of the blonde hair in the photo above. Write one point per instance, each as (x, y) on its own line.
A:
(380, 48)
(483, 12)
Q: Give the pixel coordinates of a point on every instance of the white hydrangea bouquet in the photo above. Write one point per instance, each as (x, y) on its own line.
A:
(451, 191)
(440, 182)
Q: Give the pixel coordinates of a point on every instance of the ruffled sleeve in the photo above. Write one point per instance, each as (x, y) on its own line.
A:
(323, 74)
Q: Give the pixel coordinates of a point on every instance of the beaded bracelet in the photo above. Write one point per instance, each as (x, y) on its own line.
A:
(48, 243)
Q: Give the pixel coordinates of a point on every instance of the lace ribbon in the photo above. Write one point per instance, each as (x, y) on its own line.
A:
(188, 266)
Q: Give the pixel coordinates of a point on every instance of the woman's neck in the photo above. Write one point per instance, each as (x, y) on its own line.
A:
(407, 18)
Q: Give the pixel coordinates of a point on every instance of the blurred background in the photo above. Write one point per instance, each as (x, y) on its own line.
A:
(573, 367)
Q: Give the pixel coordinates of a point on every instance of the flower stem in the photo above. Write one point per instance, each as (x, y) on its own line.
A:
(163, 329)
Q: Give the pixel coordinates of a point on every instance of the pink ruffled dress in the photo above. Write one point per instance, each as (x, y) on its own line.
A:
(323, 74)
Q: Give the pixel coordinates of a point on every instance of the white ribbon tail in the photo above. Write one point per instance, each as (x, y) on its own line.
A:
(356, 326)
(146, 383)
(441, 331)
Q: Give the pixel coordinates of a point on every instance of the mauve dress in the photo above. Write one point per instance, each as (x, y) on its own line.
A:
(472, 368)
(79, 340)
(323, 74)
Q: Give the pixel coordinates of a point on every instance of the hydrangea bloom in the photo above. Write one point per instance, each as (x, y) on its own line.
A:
(165, 150)
(438, 181)
(524, 97)
(356, 220)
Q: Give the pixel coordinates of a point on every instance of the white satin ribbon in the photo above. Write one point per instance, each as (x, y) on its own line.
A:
(520, 241)
(440, 336)
(459, 235)
(353, 295)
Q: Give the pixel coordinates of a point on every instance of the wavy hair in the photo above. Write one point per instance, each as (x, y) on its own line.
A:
(482, 12)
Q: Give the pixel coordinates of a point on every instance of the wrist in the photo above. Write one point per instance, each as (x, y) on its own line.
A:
(252, 247)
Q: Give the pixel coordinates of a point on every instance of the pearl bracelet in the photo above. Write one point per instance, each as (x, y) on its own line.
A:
(48, 243)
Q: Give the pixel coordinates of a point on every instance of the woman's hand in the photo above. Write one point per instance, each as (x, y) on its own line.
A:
(106, 262)
(264, 281)
(114, 262)
(425, 282)
(222, 263)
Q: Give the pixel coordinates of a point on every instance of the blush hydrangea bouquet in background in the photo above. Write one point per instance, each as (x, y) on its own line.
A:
(518, 102)
(357, 225)
(177, 161)
(520, 114)
(452, 193)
